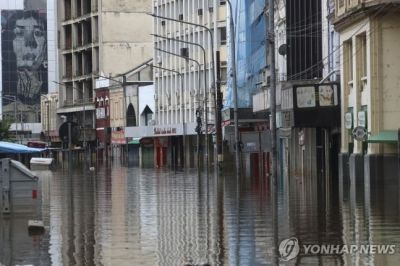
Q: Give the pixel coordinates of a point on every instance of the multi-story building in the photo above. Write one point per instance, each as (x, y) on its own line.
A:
(98, 38)
(369, 34)
(180, 89)
(307, 95)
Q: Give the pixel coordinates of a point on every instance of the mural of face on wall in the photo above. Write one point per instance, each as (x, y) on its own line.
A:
(29, 44)
(24, 55)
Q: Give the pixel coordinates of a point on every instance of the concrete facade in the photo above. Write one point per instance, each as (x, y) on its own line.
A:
(99, 38)
(178, 93)
(369, 33)
(49, 118)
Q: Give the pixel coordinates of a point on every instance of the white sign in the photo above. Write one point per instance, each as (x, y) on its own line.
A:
(348, 120)
(102, 83)
(306, 97)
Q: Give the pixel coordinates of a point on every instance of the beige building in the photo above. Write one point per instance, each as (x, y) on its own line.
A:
(98, 38)
(49, 118)
(370, 61)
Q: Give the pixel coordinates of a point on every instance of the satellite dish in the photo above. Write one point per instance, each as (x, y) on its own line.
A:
(283, 49)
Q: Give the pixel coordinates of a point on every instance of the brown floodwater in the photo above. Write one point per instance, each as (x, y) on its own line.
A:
(129, 216)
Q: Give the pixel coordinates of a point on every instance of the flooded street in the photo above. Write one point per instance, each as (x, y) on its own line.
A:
(130, 216)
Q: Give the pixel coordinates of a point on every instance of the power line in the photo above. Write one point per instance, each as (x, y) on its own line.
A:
(339, 46)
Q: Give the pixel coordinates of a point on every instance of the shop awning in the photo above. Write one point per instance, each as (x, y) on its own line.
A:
(388, 136)
(13, 148)
(134, 141)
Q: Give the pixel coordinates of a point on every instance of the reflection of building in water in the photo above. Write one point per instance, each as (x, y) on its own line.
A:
(370, 211)
(72, 219)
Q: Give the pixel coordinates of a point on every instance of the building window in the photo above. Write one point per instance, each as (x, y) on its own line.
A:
(362, 60)
(222, 35)
(348, 63)
(131, 116)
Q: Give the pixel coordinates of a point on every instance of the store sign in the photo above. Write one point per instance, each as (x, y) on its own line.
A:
(165, 131)
(118, 137)
(348, 120)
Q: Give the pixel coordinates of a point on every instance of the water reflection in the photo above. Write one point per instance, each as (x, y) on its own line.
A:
(120, 216)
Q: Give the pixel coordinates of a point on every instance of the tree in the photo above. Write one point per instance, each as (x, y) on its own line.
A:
(4, 129)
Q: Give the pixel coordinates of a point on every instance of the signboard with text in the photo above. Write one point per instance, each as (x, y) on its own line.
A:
(118, 137)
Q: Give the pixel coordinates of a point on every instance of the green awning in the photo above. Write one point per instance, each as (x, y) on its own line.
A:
(135, 141)
(388, 136)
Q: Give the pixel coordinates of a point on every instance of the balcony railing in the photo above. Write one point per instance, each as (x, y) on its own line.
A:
(77, 102)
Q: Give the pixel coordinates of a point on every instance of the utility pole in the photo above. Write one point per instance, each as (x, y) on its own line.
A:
(124, 106)
(273, 181)
(271, 38)
(218, 108)
(48, 123)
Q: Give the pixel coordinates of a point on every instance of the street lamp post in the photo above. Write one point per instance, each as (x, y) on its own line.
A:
(199, 85)
(213, 63)
(205, 87)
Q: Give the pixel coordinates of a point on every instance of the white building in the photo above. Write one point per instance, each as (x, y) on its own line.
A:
(178, 93)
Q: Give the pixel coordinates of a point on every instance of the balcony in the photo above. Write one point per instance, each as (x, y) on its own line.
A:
(77, 105)
(345, 8)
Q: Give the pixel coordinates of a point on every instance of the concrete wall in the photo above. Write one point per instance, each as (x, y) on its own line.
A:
(125, 30)
(390, 71)
(379, 91)
(117, 113)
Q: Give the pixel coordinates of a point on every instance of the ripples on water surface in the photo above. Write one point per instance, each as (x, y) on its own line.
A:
(120, 216)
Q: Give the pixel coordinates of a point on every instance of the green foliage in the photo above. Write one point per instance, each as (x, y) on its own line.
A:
(4, 129)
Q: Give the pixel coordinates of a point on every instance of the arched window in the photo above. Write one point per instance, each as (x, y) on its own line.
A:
(130, 116)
